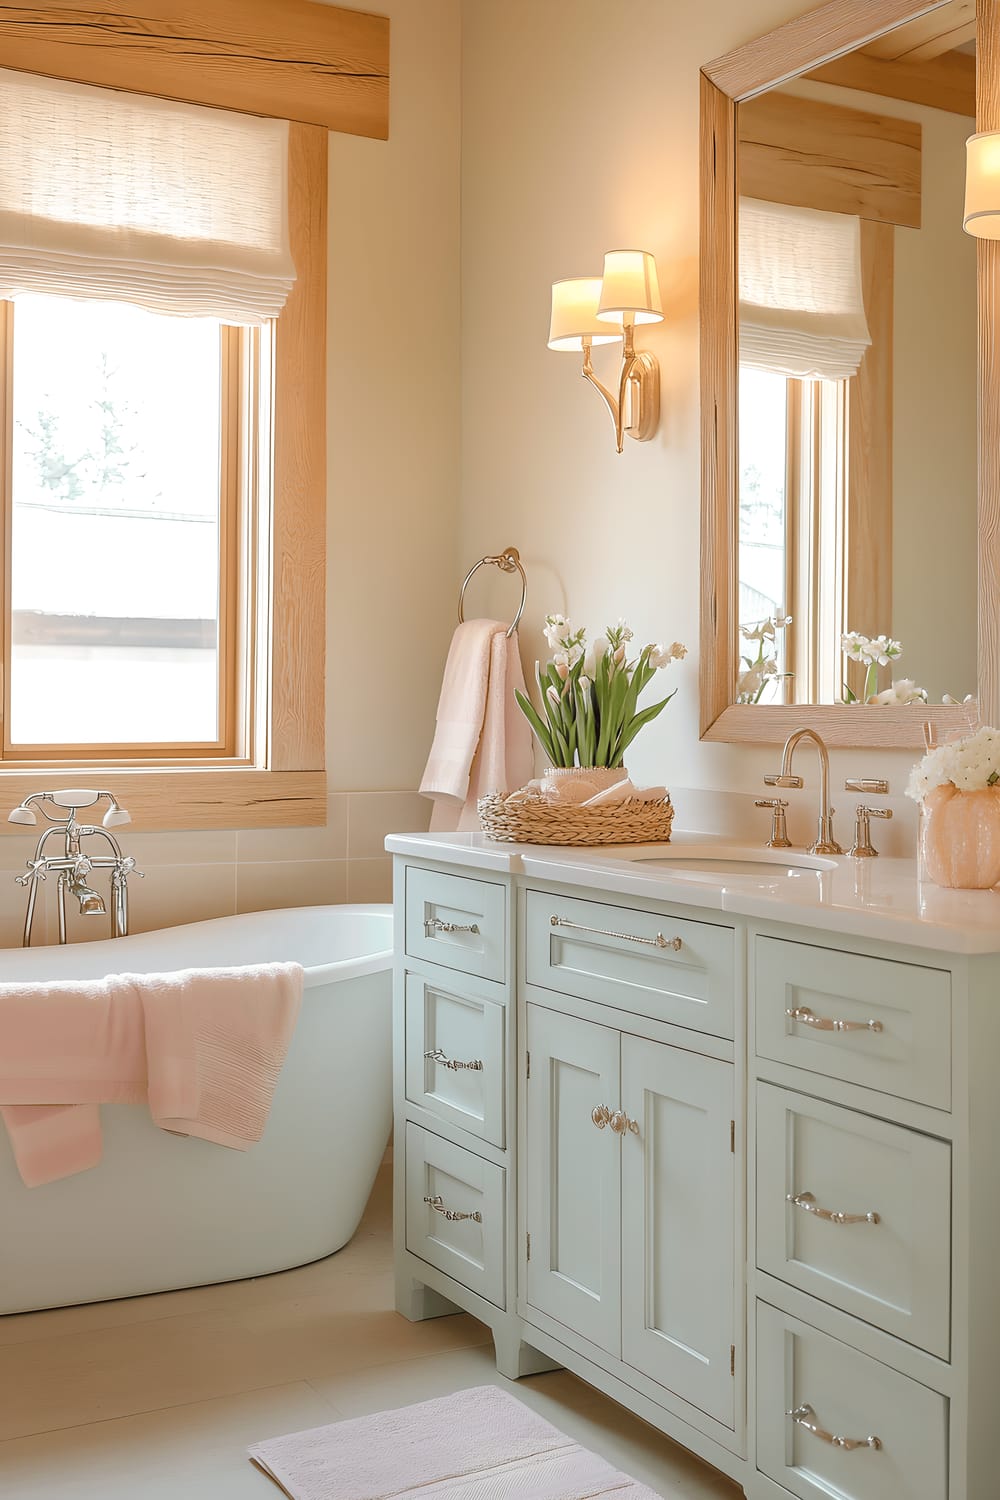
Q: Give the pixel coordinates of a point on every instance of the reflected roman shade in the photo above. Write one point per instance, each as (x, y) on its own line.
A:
(172, 207)
(802, 311)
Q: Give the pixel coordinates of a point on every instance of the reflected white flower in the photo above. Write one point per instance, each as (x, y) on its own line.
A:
(749, 683)
(876, 650)
(903, 691)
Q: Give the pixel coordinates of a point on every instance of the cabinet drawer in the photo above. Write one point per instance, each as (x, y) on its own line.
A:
(456, 921)
(853, 1396)
(455, 1057)
(455, 1212)
(905, 1051)
(613, 955)
(894, 1273)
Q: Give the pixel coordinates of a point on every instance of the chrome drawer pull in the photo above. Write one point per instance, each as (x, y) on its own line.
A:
(621, 1123)
(449, 1062)
(807, 1202)
(451, 1214)
(659, 941)
(805, 1417)
(824, 1023)
(435, 924)
(601, 1115)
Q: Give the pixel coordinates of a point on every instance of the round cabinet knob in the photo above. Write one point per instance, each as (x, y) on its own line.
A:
(601, 1115)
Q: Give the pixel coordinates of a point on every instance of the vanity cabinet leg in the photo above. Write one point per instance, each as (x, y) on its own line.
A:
(515, 1358)
(417, 1302)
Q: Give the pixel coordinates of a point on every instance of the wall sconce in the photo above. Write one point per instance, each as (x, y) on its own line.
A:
(584, 310)
(982, 185)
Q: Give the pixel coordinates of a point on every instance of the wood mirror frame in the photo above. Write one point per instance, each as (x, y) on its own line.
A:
(770, 60)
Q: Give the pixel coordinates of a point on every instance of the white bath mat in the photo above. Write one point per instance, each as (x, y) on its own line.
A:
(479, 1444)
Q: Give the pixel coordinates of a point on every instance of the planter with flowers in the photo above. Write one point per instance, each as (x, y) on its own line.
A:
(588, 716)
(958, 787)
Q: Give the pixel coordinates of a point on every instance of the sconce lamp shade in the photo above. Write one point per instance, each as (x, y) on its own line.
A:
(574, 314)
(982, 185)
(630, 288)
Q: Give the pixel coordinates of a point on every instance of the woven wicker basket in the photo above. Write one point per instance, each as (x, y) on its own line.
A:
(536, 821)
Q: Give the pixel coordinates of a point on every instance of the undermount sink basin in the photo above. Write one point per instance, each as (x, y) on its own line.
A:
(759, 862)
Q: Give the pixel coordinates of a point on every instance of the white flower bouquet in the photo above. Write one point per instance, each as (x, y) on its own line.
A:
(971, 765)
(958, 788)
(590, 696)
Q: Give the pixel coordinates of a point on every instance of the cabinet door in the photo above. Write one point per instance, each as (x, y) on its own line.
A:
(573, 1176)
(678, 1240)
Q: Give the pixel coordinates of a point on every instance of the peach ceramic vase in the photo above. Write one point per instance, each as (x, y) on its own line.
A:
(960, 837)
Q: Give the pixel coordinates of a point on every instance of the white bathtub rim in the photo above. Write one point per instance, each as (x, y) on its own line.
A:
(315, 974)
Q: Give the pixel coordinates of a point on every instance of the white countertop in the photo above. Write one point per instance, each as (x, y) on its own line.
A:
(881, 898)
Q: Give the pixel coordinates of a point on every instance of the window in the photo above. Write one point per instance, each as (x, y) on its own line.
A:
(162, 489)
(124, 504)
(810, 376)
(793, 521)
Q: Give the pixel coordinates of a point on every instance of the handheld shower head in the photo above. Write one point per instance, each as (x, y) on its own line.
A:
(22, 814)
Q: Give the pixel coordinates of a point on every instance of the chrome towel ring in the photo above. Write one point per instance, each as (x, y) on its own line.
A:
(508, 561)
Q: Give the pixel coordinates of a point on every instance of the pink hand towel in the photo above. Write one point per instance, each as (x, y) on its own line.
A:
(215, 1043)
(64, 1049)
(504, 758)
(482, 742)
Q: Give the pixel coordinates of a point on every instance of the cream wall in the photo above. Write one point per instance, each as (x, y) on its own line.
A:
(580, 133)
(393, 511)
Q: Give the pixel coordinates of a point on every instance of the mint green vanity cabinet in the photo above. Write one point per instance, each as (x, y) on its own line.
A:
(741, 1174)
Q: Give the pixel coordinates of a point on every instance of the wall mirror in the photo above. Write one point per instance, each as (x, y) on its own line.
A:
(840, 363)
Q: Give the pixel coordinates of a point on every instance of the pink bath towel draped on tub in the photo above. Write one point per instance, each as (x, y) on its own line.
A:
(204, 1047)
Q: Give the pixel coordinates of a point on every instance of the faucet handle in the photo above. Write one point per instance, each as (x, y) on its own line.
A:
(863, 848)
(779, 832)
(775, 778)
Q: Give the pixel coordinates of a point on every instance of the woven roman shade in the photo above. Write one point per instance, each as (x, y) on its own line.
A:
(802, 311)
(172, 207)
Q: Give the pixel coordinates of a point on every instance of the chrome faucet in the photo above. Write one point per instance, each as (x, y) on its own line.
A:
(73, 866)
(825, 841)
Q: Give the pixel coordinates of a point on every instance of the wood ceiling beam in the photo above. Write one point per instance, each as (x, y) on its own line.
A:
(290, 59)
(947, 82)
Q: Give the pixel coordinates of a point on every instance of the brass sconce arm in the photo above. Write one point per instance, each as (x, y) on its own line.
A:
(614, 407)
(636, 410)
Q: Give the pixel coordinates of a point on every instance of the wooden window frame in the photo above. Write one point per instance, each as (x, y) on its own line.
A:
(334, 70)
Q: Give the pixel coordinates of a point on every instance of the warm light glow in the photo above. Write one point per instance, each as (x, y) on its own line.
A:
(982, 185)
(630, 288)
(574, 314)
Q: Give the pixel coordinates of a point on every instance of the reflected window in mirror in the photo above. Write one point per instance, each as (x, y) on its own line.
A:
(855, 394)
(792, 501)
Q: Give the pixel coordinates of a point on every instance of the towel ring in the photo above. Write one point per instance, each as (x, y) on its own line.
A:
(508, 561)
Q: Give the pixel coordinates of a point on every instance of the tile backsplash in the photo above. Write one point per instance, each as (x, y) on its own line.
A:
(188, 877)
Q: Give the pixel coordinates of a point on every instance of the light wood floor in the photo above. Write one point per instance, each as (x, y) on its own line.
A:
(156, 1398)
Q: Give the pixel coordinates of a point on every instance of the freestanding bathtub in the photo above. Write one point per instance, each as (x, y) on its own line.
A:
(164, 1211)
